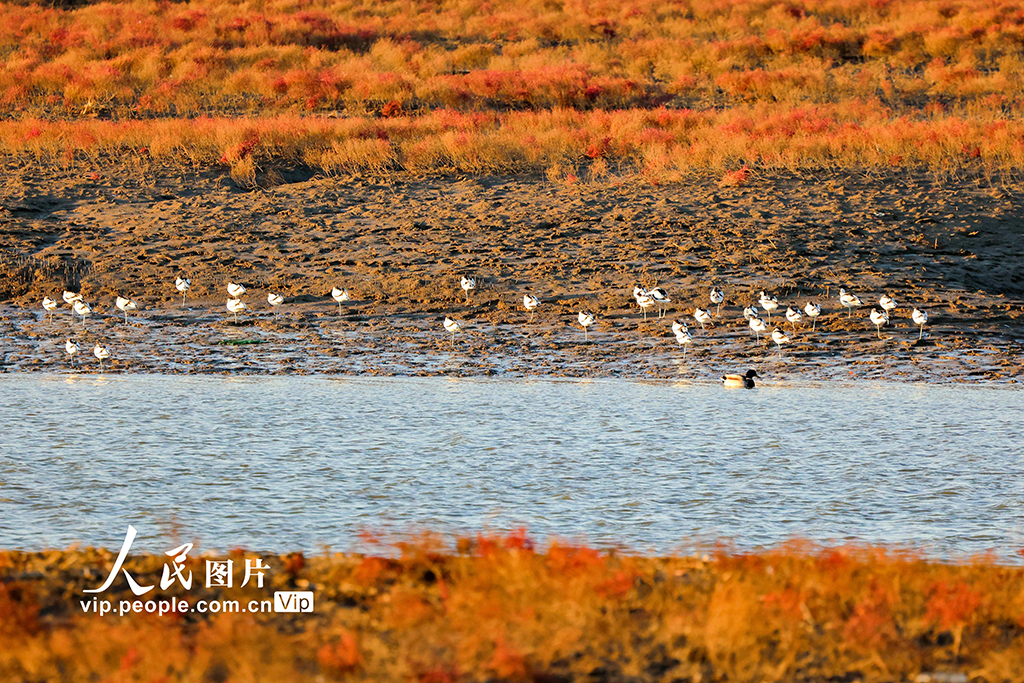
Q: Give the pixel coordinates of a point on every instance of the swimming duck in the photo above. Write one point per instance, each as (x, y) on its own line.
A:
(746, 381)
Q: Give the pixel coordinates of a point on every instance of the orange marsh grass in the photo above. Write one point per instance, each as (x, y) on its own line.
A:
(157, 58)
(466, 86)
(501, 609)
(664, 144)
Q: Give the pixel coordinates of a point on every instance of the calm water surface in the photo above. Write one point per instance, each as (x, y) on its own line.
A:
(301, 463)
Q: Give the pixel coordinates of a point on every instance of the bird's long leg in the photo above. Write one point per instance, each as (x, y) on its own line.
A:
(922, 332)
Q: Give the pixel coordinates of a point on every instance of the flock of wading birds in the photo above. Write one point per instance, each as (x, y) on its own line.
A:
(645, 299)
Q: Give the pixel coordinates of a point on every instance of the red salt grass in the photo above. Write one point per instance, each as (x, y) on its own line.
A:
(506, 608)
(735, 178)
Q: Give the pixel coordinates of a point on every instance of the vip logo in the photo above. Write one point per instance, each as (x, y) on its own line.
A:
(293, 601)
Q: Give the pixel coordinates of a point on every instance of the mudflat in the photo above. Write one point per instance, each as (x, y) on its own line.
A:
(950, 246)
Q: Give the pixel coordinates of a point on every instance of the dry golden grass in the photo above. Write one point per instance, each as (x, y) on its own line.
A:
(466, 86)
(663, 144)
(209, 55)
(501, 609)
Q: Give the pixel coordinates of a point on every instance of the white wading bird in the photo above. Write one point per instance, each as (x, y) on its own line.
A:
(849, 301)
(768, 303)
(340, 295)
(793, 316)
(682, 335)
(702, 315)
(645, 301)
(182, 284)
(780, 338)
(879, 318)
(717, 297)
(586, 319)
(126, 306)
(101, 354)
(812, 310)
(275, 300)
(758, 326)
(83, 309)
(72, 349)
(235, 306)
(467, 283)
(530, 303)
(661, 299)
(49, 305)
(452, 326)
(920, 318)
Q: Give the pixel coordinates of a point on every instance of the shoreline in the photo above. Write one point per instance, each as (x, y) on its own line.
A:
(301, 343)
(312, 339)
(951, 247)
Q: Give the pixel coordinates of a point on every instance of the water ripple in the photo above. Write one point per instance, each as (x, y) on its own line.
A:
(301, 463)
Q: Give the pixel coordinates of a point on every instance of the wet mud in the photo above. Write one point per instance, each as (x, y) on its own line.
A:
(952, 247)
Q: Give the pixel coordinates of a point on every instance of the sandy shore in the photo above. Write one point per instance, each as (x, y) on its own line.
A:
(952, 247)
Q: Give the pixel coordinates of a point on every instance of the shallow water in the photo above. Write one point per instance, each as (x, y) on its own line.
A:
(292, 463)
